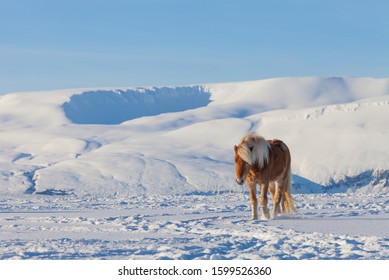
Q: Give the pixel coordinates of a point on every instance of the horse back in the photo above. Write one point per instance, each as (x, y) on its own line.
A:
(279, 153)
(279, 144)
(278, 164)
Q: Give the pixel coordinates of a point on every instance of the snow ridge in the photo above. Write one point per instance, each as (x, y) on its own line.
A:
(116, 106)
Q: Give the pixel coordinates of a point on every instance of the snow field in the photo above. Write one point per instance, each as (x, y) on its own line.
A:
(337, 226)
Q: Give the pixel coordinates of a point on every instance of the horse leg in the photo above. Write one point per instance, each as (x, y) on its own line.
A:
(253, 199)
(272, 190)
(277, 199)
(263, 201)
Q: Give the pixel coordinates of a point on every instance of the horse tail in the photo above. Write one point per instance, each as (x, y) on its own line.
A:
(287, 200)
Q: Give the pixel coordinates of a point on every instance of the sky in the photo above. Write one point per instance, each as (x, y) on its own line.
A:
(56, 44)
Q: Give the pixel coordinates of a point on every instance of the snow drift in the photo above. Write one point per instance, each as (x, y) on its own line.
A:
(117, 106)
(178, 140)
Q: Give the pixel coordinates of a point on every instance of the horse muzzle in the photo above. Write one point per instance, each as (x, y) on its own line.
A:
(239, 182)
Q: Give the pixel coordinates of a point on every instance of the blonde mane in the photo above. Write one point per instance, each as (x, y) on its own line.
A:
(254, 149)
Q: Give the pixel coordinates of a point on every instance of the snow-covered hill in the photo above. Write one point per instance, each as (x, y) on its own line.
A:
(179, 140)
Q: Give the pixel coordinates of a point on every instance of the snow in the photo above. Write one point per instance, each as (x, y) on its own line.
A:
(96, 107)
(337, 226)
(147, 173)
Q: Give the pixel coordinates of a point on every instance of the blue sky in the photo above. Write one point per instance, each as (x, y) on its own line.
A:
(57, 44)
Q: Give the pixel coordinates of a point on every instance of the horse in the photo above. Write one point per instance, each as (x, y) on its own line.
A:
(267, 163)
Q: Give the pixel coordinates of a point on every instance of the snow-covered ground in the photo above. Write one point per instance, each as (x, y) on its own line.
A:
(217, 226)
(147, 173)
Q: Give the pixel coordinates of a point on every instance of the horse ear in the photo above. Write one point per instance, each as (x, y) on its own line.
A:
(236, 148)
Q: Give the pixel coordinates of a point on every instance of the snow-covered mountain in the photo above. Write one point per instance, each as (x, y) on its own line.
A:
(179, 140)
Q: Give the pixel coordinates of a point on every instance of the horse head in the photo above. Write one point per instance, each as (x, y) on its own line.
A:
(242, 167)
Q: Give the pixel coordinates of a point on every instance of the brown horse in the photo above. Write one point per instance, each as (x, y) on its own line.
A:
(266, 163)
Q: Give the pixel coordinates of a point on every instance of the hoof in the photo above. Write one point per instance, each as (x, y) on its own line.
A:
(265, 217)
